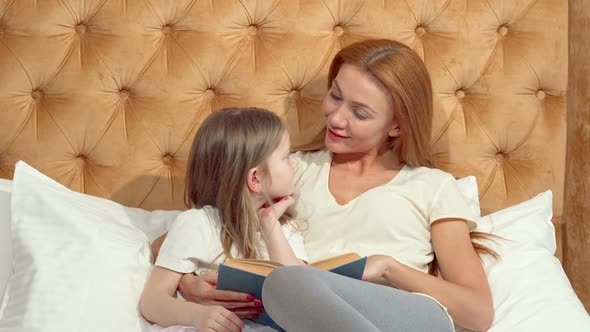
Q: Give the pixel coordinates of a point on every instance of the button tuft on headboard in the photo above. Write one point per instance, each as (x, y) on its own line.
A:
(167, 30)
(168, 160)
(338, 30)
(81, 160)
(502, 30)
(420, 31)
(460, 94)
(124, 95)
(209, 94)
(37, 95)
(540, 94)
(252, 29)
(80, 29)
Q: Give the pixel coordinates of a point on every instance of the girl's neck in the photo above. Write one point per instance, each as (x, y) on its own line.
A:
(258, 200)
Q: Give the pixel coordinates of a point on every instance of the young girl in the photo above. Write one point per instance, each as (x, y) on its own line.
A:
(239, 184)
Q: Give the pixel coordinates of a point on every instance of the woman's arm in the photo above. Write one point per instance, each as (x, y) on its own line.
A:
(201, 289)
(158, 304)
(464, 291)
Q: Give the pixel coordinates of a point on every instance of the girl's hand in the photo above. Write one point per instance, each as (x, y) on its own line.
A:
(377, 267)
(217, 318)
(202, 290)
(269, 215)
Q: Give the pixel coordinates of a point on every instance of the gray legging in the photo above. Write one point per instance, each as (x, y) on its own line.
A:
(302, 298)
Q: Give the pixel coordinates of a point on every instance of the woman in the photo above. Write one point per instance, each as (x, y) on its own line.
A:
(371, 190)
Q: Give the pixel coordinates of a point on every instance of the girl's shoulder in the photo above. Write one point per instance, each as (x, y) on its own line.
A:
(205, 213)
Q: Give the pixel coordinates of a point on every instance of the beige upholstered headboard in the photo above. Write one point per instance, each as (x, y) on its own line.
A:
(105, 96)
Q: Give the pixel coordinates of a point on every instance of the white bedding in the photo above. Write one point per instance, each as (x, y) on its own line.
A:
(103, 260)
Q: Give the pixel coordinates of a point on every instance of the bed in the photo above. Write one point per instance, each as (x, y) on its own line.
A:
(104, 97)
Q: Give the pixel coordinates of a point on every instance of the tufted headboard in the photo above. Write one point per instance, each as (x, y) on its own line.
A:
(105, 96)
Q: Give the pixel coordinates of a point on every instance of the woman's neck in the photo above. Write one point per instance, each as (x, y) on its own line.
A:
(362, 163)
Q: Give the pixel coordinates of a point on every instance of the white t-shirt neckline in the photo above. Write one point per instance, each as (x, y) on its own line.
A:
(334, 202)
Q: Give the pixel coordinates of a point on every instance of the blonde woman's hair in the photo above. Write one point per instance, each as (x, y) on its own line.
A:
(228, 144)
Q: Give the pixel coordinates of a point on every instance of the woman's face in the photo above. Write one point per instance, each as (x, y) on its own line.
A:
(359, 113)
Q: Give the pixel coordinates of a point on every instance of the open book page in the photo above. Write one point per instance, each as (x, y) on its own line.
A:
(257, 266)
(264, 267)
(332, 262)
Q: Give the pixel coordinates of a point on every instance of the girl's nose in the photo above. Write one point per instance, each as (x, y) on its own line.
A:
(293, 162)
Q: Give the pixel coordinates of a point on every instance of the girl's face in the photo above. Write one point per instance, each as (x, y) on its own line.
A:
(359, 113)
(281, 168)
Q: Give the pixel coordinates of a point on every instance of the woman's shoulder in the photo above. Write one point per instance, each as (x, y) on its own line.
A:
(428, 174)
(310, 160)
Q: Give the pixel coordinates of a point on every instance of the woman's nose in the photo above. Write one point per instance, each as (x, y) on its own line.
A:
(336, 119)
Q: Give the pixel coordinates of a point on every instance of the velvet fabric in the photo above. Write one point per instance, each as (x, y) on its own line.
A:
(106, 96)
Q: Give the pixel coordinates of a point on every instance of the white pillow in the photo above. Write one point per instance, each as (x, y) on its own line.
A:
(79, 263)
(529, 287)
(5, 242)
(152, 223)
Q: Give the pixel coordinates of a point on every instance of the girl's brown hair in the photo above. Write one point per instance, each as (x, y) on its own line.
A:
(404, 75)
(228, 144)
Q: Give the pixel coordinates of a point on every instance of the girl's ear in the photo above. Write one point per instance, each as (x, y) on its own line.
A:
(253, 181)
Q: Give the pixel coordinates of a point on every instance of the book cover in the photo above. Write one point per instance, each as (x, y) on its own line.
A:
(242, 280)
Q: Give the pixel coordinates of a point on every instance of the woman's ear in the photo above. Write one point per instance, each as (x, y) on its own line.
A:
(253, 181)
(394, 131)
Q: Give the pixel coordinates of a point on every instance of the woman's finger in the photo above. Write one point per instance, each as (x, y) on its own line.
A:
(242, 312)
(229, 296)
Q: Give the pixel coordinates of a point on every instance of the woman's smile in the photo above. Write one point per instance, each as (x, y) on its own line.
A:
(335, 137)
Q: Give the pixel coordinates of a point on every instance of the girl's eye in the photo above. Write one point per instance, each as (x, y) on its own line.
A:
(358, 114)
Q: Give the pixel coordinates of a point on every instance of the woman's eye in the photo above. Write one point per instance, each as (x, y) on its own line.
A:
(334, 96)
(359, 115)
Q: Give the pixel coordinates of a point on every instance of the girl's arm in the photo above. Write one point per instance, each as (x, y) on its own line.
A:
(464, 291)
(277, 244)
(201, 289)
(158, 304)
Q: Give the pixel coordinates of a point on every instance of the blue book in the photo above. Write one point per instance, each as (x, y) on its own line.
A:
(247, 275)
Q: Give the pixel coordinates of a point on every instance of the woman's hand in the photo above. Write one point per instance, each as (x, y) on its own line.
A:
(218, 319)
(202, 290)
(377, 267)
(269, 215)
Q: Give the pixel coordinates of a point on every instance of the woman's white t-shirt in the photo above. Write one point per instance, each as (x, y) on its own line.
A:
(193, 242)
(392, 219)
